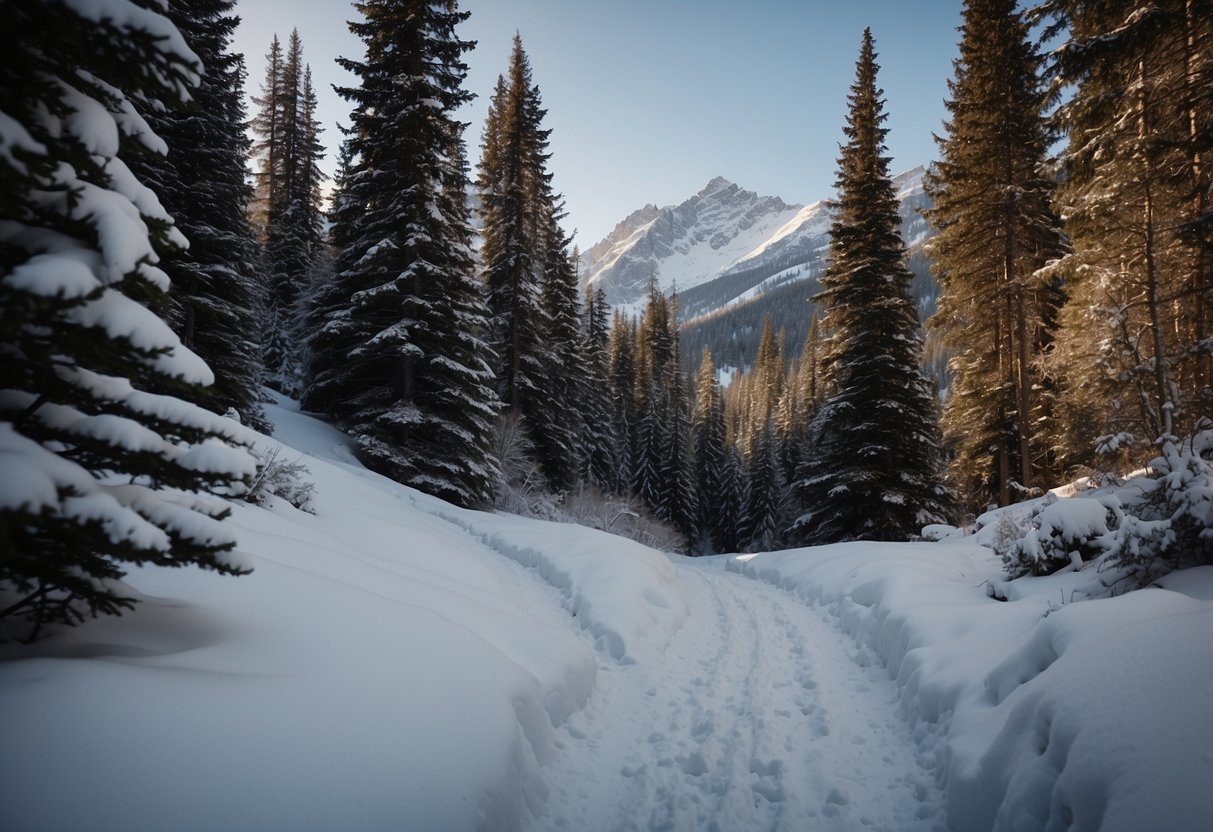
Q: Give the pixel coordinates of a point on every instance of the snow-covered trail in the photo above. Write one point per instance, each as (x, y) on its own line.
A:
(764, 716)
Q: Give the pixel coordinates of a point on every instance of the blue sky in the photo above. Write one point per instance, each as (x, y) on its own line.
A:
(649, 99)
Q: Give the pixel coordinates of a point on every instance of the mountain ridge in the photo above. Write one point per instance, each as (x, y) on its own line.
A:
(724, 230)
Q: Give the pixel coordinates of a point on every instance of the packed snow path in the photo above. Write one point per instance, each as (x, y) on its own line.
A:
(764, 716)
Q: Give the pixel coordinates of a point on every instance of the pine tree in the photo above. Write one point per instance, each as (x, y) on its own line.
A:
(735, 526)
(623, 385)
(765, 386)
(271, 141)
(110, 473)
(679, 499)
(992, 206)
(648, 479)
(709, 448)
(873, 469)
(530, 280)
(1136, 345)
(599, 428)
(399, 358)
(558, 409)
(326, 298)
(792, 421)
(510, 236)
(764, 511)
(811, 389)
(216, 297)
(291, 178)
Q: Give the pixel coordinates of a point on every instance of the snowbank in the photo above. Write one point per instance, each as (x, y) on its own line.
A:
(1039, 713)
(380, 669)
(625, 595)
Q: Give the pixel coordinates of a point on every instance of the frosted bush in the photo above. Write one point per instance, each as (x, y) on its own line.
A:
(523, 490)
(624, 516)
(1155, 523)
(282, 478)
(1008, 529)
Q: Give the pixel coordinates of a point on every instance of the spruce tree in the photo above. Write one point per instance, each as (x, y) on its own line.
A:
(291, 179)
(599, 428)
(626, 416)
(106, 471)
(735, 525)
(648, 478)
(1135, 351)
(708, 442)
(765, 508)
(270, 146)
(679, 499)
(873, 470)
(992, 206)
(399, 358)
(510, 233)
(811, 389)
(529, 277)
(557, 409)
(216, 296)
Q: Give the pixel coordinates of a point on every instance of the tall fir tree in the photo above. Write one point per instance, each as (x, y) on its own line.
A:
(765, 506)
(709, 446)
(626, 416)
(510, 231)
(400, 358)
(679, 502)
(734, 520)
(648, 476)
(558, 410)
(600, 437)
(270, 144)
(216, 294)
(529, 277)
(1135, 351)
(996, 229)
(111, 472)
(289, 185)
(873, 471)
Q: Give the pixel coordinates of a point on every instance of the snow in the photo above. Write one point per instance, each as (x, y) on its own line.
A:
(124, 14)
(13, 135)
(68, 273)
(396, 662)
(1038, 712)
(812, 220)
(89, 122)
(629, 603)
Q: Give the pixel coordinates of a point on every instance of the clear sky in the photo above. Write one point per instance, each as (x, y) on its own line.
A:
(649, 99)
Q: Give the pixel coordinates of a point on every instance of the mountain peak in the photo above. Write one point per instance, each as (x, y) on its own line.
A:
(909, 179)
(719, 183)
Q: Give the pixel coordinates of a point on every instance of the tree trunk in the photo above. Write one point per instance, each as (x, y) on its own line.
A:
(1162, 397)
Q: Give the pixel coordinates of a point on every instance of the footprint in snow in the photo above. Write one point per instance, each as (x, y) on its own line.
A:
(693, 764)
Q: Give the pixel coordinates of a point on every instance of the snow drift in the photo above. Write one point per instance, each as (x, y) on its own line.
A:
(380, 669)
(1037, 713)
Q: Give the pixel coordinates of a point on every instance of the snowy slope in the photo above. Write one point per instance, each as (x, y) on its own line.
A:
(1038, 712)
(397, 663)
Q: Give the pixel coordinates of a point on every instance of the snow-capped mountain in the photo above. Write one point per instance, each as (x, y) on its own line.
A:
(725, 231)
